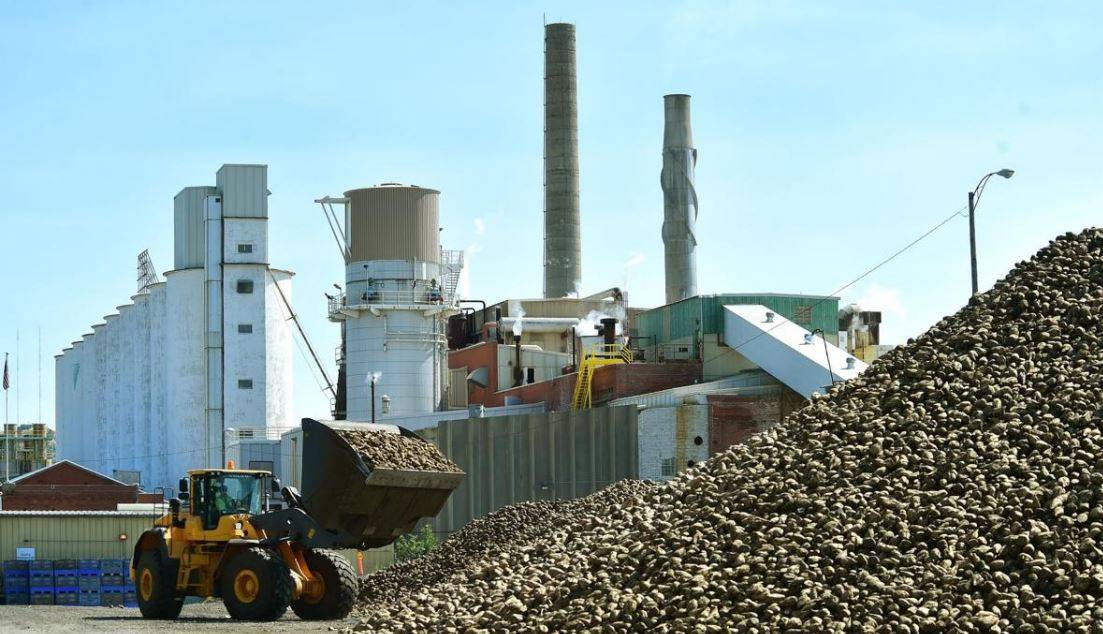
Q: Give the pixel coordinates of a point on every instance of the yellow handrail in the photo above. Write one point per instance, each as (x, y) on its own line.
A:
(597, 356)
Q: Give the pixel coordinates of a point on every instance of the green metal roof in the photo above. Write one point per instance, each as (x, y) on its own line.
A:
(704, 313)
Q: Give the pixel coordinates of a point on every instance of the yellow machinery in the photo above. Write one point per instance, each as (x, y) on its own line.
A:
(598, 356)
(223, 539)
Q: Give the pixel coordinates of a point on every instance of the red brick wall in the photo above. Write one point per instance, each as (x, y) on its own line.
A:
(733, 419)
(65, 487)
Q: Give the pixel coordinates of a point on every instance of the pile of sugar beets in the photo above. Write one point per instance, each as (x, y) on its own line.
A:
(385, 450)
(957, 485)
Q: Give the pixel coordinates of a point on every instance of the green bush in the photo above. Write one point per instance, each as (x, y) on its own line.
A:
(415, 544)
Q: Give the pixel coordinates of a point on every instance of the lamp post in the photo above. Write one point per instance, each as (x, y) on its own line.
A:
(373, 380)
(974, 198)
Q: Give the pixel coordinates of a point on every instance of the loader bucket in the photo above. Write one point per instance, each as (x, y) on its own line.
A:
(365, 508)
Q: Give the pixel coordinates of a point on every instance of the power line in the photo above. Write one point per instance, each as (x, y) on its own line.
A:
(865, 274)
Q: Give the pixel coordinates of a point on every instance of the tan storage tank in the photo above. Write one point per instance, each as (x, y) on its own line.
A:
(393, 222)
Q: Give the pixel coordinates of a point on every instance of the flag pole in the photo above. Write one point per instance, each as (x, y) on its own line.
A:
(7, 439)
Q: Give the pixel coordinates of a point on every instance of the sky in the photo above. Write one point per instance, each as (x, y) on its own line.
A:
(829, 135)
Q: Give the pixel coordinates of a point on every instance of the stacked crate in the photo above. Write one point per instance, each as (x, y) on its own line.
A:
(42, 582)
(89, 581)
(113, 577)
(66, 582)
(17, 582)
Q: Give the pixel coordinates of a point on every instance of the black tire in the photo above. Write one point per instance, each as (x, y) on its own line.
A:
(256, 585)
(340, 587)
(156, 586)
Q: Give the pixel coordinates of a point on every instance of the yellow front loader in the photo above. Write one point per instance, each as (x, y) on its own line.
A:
(221, 539)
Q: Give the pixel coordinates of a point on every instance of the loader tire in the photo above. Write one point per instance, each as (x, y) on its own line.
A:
(156, 587)
(339, 583)
(256, 585)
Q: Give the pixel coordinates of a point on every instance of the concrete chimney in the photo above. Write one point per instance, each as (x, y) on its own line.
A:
(562, 231)
(679, 200)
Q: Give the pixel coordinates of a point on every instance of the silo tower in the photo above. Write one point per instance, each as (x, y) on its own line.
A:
(399, 291)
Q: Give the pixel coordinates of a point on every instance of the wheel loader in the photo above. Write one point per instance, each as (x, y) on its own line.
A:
(221, 538)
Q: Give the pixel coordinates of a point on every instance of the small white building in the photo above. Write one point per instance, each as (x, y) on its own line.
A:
(156, 386)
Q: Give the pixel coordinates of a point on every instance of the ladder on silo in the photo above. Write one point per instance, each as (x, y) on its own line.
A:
(597, 357)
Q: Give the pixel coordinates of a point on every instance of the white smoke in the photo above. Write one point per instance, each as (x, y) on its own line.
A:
(373, 378)
(589, 324)
(577, 292)
(464, 285)
(517, 313)
(630, 264)
(480, 226)
(884, 299)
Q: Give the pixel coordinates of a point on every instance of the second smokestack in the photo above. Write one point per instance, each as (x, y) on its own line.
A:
(562, 223)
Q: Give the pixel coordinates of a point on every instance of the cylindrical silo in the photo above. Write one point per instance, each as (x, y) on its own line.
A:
(562, 222)
(679, 200)
(393, 284)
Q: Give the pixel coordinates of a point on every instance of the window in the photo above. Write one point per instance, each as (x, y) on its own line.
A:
(245, 328)
(245, 247)
(667, 468)
(530, 375)
(802, 314)
(245, 286)
(245, 384)
(261, 465)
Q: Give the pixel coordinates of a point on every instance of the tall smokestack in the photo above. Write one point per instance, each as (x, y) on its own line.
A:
(562, 232)
(679, 200)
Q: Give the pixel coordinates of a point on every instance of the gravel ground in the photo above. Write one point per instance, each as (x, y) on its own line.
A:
(196, 617)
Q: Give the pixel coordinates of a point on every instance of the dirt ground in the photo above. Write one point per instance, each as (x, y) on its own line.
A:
(196, 617)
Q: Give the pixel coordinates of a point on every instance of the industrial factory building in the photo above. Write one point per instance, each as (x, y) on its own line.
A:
(535, 398)
(159, 386)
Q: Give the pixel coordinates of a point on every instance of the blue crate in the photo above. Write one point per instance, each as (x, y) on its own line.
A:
(17, 598)
(88, 563)
(66, 596)
(66, 564)
(17, 584)
(131, 599)
(15, 564)
(42, 596)
(41, 564)
(112, 596)
(114, 566)
(66, 577)
(89, 597)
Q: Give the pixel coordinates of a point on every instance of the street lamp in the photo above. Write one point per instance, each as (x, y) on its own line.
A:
(974, 198)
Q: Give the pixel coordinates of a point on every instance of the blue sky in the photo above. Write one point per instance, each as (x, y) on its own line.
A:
(829, 135)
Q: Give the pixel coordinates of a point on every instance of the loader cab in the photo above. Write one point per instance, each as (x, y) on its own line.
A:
(217, 493)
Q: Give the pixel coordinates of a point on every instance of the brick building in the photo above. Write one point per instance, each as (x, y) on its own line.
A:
(67, 486)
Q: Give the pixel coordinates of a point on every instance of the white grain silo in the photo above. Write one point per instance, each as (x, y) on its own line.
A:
(399, 291)
(157, 387)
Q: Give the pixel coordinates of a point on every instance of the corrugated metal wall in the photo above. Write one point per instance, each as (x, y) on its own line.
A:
(244, 190)
(393, 223)
(546, 456)
(72, 536)
(680, 319)
(190, 237)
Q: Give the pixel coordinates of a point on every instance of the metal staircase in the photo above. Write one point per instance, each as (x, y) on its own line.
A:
(596, 357)
(451, 267)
